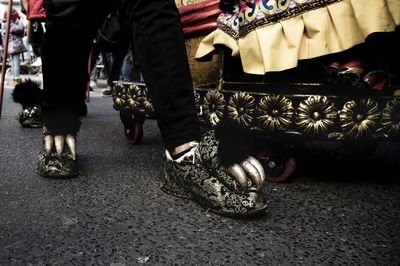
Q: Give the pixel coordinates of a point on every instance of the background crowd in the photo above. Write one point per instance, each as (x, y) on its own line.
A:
(109, 61)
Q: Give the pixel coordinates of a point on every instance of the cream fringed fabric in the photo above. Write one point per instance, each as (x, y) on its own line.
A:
(272, 35)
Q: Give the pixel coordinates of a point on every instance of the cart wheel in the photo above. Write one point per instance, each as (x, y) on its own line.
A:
(133, 128)
(134, 134)
(277, 170)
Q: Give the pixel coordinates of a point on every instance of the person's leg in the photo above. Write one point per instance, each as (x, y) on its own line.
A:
(66, 47)
(127, 67)
(15, 66)
(27, 45)
(118, 55)
(106, 60)
(192, 168)
(93, 78)
(65, 52)
(94, 54)
(161, 52)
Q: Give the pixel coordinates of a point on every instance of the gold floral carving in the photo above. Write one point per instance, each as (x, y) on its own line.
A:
(119, 95)
(316, 115)
(134, 97)
(213, 107)
(241, 108)
(359, 119)
(274, 113)
(391, 118)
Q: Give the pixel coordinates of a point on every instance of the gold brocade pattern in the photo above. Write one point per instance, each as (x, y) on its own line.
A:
(202, 180)
(203, 73)
(31, 117)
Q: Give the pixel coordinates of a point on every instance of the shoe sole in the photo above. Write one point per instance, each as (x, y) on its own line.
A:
(58, 176)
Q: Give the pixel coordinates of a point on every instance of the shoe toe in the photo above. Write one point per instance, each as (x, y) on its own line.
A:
(52, 166)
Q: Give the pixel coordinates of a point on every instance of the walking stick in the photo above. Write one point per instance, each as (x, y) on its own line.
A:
(5, 54)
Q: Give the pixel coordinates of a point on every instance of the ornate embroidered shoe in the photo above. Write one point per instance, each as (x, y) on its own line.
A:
(58, 158)
(199, 175)
(31, 117)
(29, 95)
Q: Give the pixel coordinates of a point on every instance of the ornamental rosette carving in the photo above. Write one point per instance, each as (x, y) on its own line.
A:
(147, 104)
(391, 118)
(134, 97)
(359, 119)
(119, 95)
(197, 101)
(316, 115)
(274, 113)
(241, 108)
(213, 107)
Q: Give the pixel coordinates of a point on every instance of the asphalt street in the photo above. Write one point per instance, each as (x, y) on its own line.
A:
(114, 213)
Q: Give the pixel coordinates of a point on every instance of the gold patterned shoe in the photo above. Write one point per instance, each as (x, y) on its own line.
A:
(58, 158)
(31, 117)
(29, 95)
(199, 175)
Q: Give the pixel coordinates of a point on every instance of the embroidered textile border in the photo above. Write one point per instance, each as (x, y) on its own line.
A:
(300, 9)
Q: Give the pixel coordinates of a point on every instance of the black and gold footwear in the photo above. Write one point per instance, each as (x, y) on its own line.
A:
(31, 117)
(29, 94)
(199, 175)
(58, 157)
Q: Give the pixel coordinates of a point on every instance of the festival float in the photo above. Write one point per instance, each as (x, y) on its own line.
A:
(290, 71)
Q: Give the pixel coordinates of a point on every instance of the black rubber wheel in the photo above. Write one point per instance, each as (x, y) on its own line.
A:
(134, 134)
(277, 170)
(133, 126)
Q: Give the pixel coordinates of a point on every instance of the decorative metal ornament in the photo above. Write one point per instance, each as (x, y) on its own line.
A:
(147, 105)
(197, 101)
(134, 97)
(213, 107)
(316, 115)
(391, 118)
(359, 119)
(241, 108)
(119, 95)
(274, 113)
(199, 106)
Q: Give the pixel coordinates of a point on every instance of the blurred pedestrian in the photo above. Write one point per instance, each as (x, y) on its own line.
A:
(96, 52)
(113, 39)
(15, 45)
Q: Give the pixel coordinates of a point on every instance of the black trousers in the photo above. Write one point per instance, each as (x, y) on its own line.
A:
(159, 47)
